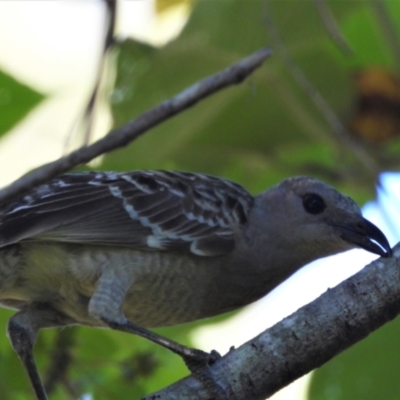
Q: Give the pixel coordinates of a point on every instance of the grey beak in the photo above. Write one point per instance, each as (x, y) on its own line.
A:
(367, 236)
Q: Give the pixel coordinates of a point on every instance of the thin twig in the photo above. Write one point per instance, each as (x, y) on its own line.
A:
(61, 359)
(122, 136)
(87, 117)
(389, 31)
(332, 27)
(325, 109)
(111, 6)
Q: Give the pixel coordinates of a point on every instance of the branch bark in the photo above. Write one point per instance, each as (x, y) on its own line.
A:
(310, 337)
(122, 136)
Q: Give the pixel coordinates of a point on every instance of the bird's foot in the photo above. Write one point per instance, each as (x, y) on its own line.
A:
(198, 363)
(198, 359)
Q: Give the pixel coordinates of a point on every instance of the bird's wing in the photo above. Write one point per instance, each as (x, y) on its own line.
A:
(147, 210)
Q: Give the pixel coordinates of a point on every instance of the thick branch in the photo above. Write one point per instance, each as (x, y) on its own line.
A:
(124, 135)
(310, 337)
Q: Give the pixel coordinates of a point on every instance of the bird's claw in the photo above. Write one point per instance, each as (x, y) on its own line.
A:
(198, 359)
(198, 362)
(213, 356)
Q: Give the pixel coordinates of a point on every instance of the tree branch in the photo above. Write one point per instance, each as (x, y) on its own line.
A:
(122, 136)
(310, 337)
(332, 27)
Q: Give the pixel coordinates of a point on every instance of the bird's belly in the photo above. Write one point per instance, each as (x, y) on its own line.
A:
(167, 288)
(174, 289)
(178, 289)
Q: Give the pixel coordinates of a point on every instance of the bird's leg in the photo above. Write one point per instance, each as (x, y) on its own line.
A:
(193, 358)
(106, 305)
(196, 360)
(22, 331)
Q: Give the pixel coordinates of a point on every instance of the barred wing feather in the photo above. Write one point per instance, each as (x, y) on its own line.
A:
(146, 210)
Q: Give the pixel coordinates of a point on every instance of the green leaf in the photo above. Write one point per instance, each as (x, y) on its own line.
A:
(368, 370)
(16, 100)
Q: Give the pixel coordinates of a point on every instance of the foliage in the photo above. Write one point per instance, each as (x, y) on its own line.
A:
(16, 100)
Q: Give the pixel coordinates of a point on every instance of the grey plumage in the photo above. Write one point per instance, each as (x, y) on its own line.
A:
(158, 248)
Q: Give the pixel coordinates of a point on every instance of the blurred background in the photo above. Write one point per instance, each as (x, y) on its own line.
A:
(327, 104)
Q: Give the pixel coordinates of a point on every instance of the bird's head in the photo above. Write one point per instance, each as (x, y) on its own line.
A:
(314, 218)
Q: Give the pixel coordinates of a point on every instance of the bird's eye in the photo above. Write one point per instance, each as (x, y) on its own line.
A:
(313, 203)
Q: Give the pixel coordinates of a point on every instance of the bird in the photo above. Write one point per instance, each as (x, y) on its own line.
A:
(142, 249)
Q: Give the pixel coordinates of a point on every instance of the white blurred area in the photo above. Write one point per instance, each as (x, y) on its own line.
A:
(54, 47)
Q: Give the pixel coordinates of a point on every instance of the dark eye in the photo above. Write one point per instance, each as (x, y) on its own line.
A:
(313, 203)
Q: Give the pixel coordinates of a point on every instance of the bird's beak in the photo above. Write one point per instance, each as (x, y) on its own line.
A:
(367, 236)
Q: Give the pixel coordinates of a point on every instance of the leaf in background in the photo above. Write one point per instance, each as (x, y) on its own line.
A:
(367, 371)
(16, 100)
(377, 116)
